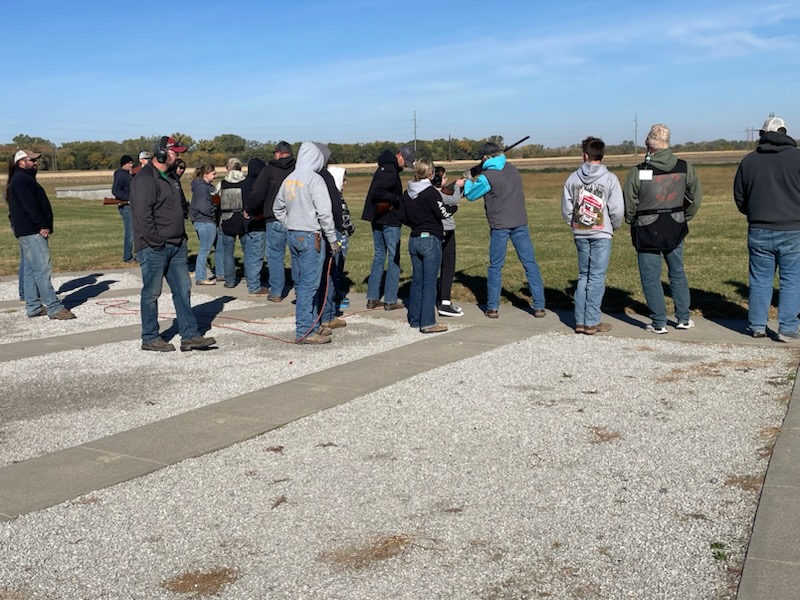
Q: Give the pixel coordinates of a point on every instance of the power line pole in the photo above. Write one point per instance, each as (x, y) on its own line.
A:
(415, 132)
(636, 134)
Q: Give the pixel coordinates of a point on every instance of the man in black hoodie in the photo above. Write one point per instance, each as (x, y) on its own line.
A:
(254, 238)
(380, 208)
(259, 207)
(767, 190)
(32, 221)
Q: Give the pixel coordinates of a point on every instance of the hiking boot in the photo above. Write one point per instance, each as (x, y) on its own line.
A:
(685, 324)
(436, 328)
(274, 298)
(599, 328)
(259, 293)
(580, 329)
(539, 313)
(64, 314)
(449, 310)
(492, 314)
(42, 312)
(314, 338)
(660, 329)
(374, 304)
(325, 331)
(158, 345)
(198, 342)
(336, 323)
(394, 306)
(205, 282)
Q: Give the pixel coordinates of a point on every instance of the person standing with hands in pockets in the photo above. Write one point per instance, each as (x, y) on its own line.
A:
(592, 206)
(303, 207)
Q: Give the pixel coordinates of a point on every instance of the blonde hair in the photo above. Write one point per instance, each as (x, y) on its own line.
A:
(423, 169)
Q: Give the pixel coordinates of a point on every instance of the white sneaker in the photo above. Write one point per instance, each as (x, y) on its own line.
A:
(686, 325)
(653, 329)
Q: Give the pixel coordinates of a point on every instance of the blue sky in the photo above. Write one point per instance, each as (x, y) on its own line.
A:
(356, 71)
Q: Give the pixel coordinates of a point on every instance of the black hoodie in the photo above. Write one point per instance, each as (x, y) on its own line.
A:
(265, 188)
(767, 184)
(386, 187)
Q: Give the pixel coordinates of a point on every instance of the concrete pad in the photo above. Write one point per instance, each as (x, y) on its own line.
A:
(54, 478)
(184, 436)
(776, 531)
(762, 579)
(285, 402)
(784, 466)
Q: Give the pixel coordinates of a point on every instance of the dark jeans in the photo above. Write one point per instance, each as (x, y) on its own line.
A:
(448, 266)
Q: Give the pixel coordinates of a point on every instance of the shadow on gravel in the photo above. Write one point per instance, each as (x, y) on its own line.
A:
(204, 313)
(87, 293)
(78, 283)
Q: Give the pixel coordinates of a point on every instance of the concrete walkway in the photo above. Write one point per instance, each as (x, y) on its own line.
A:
(772, 565)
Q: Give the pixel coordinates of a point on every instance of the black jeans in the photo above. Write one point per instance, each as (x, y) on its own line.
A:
(445, 283)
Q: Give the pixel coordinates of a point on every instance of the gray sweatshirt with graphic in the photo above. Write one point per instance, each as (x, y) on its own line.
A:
(303, 202)
(591, 202)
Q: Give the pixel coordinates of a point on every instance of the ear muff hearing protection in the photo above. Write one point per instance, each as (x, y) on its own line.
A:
(160, 151)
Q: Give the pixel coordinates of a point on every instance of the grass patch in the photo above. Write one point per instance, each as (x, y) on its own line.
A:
(601, 435)
(380, 548)
(201, 584)
(88, 236)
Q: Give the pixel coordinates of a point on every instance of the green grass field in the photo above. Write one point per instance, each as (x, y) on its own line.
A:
(88, 236)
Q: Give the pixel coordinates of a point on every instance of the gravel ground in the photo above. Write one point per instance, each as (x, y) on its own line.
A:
(560, 466)
(96, 313)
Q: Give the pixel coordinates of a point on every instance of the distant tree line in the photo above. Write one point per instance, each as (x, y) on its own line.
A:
(103, 155)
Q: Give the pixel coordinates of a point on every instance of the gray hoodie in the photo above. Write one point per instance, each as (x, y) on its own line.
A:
(303, 202)
(591, 202)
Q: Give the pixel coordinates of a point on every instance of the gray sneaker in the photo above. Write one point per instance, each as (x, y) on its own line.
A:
(198, 342)
(158, 345)
(789, 338)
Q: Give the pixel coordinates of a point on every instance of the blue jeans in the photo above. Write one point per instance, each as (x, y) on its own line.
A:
(21, 274)
(593, 255)
(307, 262)
(498, 244)
(127, 243)
(219, 255)
(337, 271)
(253, 245)
(37, 273)
(386, 240)
(276, 249)
(171, 262)
(327, 286)
(228, 246)
(770, 250)
(206, 233)
(426, 258)
(650, 275)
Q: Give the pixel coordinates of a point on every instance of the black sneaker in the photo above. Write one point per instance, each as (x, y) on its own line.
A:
(158, 345)
(449, 310)
(198, 342)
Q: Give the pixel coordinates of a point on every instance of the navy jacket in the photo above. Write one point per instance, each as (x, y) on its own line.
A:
(28, 205)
